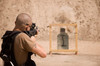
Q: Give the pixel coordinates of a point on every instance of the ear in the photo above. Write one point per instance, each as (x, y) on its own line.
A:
(26, 29)
(15, 22)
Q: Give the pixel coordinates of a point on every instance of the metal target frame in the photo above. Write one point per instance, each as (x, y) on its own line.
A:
(63, 50)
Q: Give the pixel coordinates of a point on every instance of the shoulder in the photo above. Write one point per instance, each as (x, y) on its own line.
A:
(22, 36)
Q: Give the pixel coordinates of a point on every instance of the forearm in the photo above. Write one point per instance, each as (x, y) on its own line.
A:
(38, 49)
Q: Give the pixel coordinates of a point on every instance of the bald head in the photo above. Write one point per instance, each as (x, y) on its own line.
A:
(22, 20)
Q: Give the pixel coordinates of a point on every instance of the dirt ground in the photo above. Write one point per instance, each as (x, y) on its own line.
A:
(88, 55)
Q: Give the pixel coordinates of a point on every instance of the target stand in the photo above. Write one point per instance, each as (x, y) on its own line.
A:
(63, 50)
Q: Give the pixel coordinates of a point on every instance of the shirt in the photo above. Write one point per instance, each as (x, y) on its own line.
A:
(22, 45)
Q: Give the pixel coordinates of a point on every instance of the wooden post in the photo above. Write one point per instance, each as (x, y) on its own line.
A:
(76, 38)
(50, 37)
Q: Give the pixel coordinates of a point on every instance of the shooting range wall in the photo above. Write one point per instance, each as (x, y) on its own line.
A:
(85, 13)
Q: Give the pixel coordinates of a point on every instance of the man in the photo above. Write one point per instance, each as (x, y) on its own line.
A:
(23, 44)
